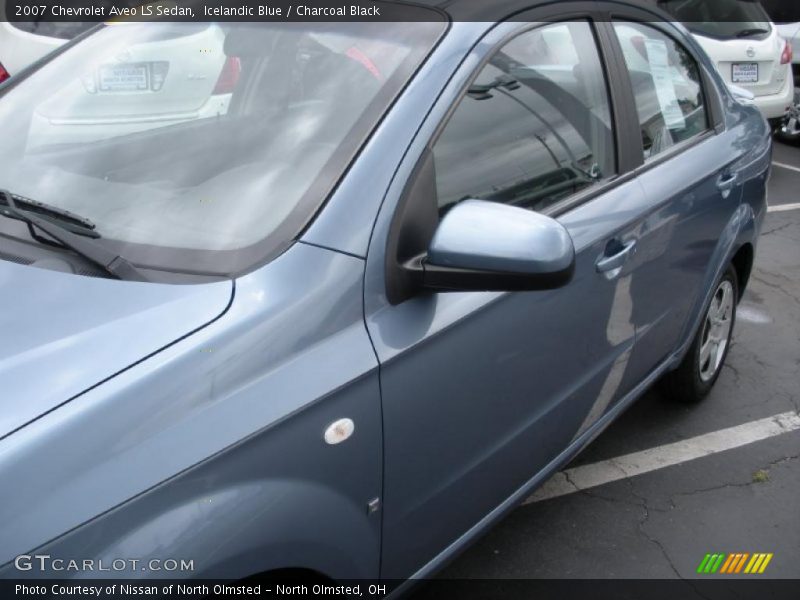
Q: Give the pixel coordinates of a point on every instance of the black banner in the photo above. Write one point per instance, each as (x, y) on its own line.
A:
(741, 588)
(97, 11)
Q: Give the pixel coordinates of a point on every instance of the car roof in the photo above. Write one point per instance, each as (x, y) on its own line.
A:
(495, 10)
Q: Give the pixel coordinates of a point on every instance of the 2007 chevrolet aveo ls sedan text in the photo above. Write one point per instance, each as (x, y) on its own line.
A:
(343, 325)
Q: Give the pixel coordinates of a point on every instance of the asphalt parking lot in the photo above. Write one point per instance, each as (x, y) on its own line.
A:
(732, 484)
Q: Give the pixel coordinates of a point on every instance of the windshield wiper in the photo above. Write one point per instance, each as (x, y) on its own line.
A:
(70, 231)
(751, 32)
(71, 221)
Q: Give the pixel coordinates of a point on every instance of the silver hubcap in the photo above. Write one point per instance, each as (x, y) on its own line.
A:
(791, 126)
(716, 331)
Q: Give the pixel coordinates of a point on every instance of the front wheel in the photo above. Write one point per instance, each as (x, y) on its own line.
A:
(696, 375)
(789, 130)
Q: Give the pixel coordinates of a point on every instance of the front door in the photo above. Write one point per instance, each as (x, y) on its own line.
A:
(481, 391)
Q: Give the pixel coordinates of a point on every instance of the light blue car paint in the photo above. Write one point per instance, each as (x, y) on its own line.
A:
(102, 328)
(464, 240)
(246, 371)
(189, 421)
(341, 227)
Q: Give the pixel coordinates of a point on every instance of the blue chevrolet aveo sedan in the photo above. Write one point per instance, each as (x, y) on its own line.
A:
(336, 297)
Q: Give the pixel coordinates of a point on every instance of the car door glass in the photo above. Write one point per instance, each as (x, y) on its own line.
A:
(666, 86)
(535, 125)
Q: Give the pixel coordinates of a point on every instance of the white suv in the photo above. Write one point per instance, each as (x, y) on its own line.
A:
(181, 73)
(24, 43)
(746, 47)
(786, 15)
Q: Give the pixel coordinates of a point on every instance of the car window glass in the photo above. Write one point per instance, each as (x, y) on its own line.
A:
(534, 127)
(202, 147)
(720, 19)
(666, 85)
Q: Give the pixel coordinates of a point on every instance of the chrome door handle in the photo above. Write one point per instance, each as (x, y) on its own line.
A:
(615, 261)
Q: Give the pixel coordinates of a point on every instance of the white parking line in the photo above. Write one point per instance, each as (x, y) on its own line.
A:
(783, 207)
(785, 166)
(638, 463)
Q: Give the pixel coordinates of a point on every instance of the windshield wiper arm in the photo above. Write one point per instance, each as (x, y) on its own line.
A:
(77, 241)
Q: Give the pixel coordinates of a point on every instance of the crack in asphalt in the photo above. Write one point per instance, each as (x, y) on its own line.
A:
(641, 503)
(792, 401)
(570, 481)
(640, 527)
(743, 484)
(647, 509)
(741, 375)
(727, 365)
(644, 504)
(777, 229)
(774, 286)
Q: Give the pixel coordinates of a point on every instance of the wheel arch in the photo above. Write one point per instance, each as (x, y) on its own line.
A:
(742, 261)
(736, 246)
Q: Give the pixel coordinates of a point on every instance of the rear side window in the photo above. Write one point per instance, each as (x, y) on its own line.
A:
(667, 87)
(534, 127)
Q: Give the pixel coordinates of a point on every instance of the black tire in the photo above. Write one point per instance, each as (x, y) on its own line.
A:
(789, 131)
(690, 382)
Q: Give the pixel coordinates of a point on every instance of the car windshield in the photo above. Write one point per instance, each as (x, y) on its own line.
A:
(201, 148)
(720, 19)
(782, 11)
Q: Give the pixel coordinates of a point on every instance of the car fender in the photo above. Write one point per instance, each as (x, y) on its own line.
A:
(233, 417)
(289, 523)
(740, 230)
(274, 501)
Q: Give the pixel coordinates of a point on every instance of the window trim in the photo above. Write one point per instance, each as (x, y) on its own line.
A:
(405, 236)
(633, 135)
(655, 19)
(409, 225)
(714, 113)
(703, 87)
(590, 17)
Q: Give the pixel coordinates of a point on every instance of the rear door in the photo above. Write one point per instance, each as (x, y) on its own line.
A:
(689, 173)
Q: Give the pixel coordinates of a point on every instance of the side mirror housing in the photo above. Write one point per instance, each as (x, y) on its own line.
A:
(486, 246)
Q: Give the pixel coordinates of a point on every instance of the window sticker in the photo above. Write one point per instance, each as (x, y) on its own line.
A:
(665, 87)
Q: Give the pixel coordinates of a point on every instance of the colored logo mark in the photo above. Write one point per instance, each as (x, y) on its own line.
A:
(741, 562)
